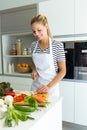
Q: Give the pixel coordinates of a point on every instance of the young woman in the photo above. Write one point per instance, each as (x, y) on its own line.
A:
(49, 66)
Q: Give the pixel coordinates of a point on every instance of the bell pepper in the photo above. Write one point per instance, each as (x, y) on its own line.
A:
(11, 93)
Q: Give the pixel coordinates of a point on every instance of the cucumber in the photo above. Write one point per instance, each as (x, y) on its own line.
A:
(25, 109)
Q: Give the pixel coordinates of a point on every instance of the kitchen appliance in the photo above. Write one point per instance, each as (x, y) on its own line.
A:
(69, 53)
(80, 70)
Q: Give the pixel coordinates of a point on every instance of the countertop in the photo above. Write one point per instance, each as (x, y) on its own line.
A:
(42, 117)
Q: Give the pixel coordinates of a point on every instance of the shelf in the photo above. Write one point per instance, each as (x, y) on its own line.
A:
(19, 74)
(18, 56)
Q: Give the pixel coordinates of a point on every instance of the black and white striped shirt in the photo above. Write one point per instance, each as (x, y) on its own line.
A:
(57, 49)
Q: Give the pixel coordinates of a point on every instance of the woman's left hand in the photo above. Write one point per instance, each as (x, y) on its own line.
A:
(42, 89)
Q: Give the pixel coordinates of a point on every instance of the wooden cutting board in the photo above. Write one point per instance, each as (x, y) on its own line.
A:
(22, 103)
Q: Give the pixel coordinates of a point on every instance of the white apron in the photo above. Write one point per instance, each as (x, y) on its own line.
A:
(46, 70)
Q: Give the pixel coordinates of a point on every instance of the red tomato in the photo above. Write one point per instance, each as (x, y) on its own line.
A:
(20, 97)
(10, 93)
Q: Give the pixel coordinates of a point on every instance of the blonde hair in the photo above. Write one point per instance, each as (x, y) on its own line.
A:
(42, 19)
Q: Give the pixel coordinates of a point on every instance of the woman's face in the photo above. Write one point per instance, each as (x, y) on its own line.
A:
(39, 30)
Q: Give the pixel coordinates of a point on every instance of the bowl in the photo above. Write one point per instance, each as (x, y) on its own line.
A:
(23, 69)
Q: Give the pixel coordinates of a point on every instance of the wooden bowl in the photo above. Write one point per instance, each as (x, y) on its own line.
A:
(23, 69)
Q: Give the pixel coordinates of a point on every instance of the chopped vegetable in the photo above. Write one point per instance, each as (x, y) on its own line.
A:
(19, 98)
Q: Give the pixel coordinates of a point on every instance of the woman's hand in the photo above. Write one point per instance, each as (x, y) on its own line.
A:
(34, 75)
(42, 89)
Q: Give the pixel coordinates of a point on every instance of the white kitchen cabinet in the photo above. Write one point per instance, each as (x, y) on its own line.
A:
(7, 41)
(74, 105)
(81, 103)
(18, 20)
(9, 4)
(80, 16)
(60, 15)
(67, 91)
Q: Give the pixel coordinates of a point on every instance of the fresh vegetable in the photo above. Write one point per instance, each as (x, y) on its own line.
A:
(41, 98)
(9, 100)
(8, 118)
(31, 101)
(23, 116)
(10, 93)
(24, 109)
(1, 102)
(5, 87)
(3, 110)
(14, 114)
(19, 98)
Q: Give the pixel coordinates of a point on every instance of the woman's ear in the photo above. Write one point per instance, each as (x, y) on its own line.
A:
(46, 26)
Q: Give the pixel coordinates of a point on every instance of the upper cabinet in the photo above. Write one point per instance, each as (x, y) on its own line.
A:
(80, 16)
(60, 16)
(9, 4)
(17, 20)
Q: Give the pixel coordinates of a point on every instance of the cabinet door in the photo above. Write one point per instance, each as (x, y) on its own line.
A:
(81, 103)
(67, 91)
(17, 21)
(80, 16)
(60, 16)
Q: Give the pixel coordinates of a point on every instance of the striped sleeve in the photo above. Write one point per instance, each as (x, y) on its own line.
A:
(60, 52)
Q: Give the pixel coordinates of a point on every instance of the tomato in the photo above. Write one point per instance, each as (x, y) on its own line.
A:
(10, 93)
(20, 97)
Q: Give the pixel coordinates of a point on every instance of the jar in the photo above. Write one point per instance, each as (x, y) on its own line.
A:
(19, 47)
(29, 51)
(13, 50)
(25, 51)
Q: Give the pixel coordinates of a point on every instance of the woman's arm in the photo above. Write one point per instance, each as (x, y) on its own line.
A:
(57, 78)
(34, 72)
(60, 75)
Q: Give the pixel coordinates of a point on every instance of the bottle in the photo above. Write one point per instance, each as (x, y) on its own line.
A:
(9, 68)
(25, 51)
(12, 68)
(29, 51)
(19, 47)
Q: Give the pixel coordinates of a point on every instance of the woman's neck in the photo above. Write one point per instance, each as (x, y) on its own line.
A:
(44, 44)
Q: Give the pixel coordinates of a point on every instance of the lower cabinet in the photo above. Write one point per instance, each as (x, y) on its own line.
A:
(67, 91)
(81, 103)
(74, 102)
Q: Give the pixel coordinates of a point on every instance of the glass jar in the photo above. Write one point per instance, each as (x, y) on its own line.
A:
(25, 51)
(13, 50)
(29, 51)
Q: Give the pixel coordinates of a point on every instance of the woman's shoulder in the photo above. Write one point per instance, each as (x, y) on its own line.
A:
(57, 43)
(33, 44)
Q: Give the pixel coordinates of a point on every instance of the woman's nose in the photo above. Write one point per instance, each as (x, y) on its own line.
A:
(36, 33)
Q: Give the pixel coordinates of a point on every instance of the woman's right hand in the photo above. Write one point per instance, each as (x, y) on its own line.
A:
(34, 75)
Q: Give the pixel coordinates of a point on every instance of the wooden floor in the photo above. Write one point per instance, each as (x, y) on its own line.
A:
(70, 126)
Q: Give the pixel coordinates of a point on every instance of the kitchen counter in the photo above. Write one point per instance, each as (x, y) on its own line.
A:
(47, 118)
